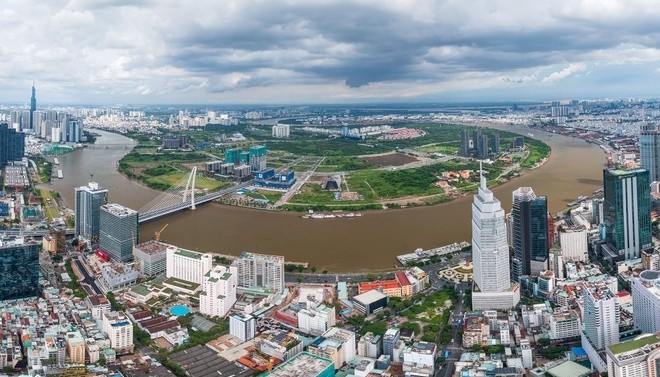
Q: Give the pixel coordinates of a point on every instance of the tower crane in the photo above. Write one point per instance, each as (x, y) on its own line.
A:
(158, 232)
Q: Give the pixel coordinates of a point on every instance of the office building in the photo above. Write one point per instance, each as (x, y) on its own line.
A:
(260, 270)
(12, 145)
(120, 332)
(218, 291)
(419, 359)
(335, 344)
(465, 143)
(492, 287)
(601, 316)
(574, 244)
(530, 233)
(564, 324)
(639, 357)
(304, 364)
(89, 200)
(118, 231)
(649, 150)
(390, 339)
(258, 158)
(242, 326)
(33, 106)
(627, 211)
(370, 302)
(151, 257)
(187, 265)
(496, 144)
(646, 301)
(19, 263)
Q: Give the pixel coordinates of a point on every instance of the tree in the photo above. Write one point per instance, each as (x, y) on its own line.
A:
(313, 269)
(476, 348)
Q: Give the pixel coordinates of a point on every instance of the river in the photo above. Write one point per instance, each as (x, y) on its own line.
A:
(339, 245)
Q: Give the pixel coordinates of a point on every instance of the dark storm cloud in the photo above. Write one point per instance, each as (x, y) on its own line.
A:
(266, 50)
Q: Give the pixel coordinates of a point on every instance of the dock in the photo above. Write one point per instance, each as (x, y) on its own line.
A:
(231, 258)
(420, 254)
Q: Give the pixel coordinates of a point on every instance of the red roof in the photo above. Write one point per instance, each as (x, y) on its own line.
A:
(371, 285)
(402, 278)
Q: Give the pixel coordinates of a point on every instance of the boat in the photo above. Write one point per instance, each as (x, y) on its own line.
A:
(60, 175)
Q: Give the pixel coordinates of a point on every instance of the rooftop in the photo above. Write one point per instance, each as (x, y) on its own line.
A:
(569, 369)
(633, 345)
(370, 296)
(118, 210)
(303, 364)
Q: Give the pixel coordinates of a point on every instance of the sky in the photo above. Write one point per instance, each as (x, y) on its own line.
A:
(317, 51)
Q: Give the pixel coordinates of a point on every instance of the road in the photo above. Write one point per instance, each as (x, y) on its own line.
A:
(88, 279)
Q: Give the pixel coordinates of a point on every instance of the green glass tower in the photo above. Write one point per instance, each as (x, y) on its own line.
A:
(627, 211)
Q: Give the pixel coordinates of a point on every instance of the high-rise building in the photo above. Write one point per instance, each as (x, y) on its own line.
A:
(242, 326)
(465, 143)
(281, 130)
(12, 144)
(492, 287)
(258, 158)
(646, 301)
(530, 233)
(484, 149)
(19, 263)
(218, 291)
(390, 338)
(118, 231)
(496, 144)
(601, 316)
(336, 344)
(649, 150)
(260, 270)
(120, 332)
(89, 200)
(627, 211)
(231, 155)
(639, 357)
(187, 265)
(574, 243)
(33, 106)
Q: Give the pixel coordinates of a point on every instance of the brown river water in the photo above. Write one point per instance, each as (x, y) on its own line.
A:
(339, 245)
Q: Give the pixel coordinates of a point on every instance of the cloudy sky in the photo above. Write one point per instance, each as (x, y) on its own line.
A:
(316, 51)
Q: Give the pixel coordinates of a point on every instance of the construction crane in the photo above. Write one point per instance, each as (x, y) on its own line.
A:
(158, 232)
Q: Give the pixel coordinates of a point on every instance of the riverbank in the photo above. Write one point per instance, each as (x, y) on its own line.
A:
(370, 243)
(399, 178)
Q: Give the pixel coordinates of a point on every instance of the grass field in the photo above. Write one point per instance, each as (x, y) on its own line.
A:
(50, 209)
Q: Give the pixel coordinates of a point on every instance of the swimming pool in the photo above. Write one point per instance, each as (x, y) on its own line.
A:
(179, 310)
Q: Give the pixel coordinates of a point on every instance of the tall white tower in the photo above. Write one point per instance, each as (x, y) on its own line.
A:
(492, 287)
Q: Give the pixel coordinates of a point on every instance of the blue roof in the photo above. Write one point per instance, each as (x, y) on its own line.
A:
(578, 351)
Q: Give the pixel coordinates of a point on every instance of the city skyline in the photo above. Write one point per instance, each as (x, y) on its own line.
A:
(330, 52)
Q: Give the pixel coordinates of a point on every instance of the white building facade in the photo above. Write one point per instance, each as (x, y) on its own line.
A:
(492, 287)
(187, 265)
(218, 291)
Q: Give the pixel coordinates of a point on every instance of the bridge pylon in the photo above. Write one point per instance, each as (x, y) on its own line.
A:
(190, 188)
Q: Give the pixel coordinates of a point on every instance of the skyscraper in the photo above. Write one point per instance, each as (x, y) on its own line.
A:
(89, 200)
(496, 144)
(33, 106)
(530, 233)
(260, 270)
(601, 317)
(492, 287)
(646, 301)
(649, 150)
(12, 144)
(627, 211)
(258, 158)
(118, 231)
(19, 268)
(465, 143)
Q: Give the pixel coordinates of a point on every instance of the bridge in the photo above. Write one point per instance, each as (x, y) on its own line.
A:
(182, 196)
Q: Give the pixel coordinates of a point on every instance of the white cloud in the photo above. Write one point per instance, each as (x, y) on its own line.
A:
(564, 73)
(326, 50)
